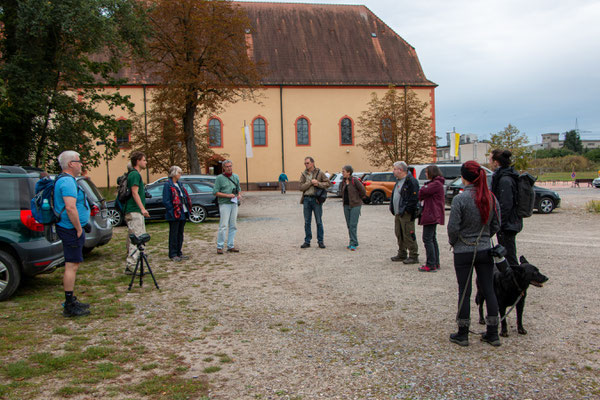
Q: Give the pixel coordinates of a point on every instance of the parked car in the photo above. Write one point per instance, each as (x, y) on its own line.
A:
(102, 230)
(379, 186)
(195, 178)
(335, 181)
(24, 249)
(449, 171)
(201, 195)
(545, 200)
(596, 182)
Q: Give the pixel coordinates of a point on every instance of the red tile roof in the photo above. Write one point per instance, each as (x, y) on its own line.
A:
(323, 44)
(326, 44)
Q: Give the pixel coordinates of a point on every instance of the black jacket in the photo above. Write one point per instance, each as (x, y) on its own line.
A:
(504, 187)
(409, 194)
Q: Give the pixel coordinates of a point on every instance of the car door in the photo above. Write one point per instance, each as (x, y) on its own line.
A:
(202, 194)
(154, 205)
(388, 182)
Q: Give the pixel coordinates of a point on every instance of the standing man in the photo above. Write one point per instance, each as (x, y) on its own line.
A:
(504, 187)
(74, 215)
(135, 207)
(311, 179)
(403, 206)
(282, 180)
(227, 189)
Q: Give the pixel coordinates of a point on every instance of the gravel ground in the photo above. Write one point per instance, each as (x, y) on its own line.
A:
(334, 324)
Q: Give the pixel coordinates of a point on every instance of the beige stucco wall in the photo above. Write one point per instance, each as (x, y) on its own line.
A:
(324, 107)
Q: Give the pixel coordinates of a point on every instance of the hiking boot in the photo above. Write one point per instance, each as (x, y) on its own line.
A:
(461, 337)
(74, 309)
(184, 257)
(491, 334)
(427, 268)
(398, 258)
(176, 259)
(85, 306)
(411, 260)
(305, 245)
(219, 251)
(233, 250)
(321, 245)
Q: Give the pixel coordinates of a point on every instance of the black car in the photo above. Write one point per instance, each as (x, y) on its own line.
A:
(201, 195)
(24, 249)
(545, 200)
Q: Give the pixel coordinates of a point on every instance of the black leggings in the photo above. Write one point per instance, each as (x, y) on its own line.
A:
(484, 267)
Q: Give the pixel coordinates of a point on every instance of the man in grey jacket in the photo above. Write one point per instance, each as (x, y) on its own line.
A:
(403, 205)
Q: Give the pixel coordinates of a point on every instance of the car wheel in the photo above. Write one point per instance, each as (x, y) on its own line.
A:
(198, 214)
(115, 218)
(377, 197)
(10, 275)
(546, 205)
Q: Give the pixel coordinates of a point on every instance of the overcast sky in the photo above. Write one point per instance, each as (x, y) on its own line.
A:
(534, 64)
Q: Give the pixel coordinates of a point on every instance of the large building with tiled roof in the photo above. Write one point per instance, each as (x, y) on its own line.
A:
(321, 63)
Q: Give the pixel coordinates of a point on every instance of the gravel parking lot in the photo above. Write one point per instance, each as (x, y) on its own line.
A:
(334, 324)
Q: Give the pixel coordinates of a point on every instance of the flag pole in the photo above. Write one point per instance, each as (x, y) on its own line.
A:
(246, 146)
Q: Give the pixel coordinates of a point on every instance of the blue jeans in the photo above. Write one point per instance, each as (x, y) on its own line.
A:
(431, 245)
(352, 214)
(310, 206)
(227, 222)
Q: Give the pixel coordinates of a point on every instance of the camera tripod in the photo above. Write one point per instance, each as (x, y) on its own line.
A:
(139, 242)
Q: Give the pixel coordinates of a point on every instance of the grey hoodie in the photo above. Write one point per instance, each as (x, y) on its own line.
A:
(465, 224)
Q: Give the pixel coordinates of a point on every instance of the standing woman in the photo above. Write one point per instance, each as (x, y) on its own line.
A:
(432, 197)
(178, 205)
(473, 221)
(504, 187)
(353, 192)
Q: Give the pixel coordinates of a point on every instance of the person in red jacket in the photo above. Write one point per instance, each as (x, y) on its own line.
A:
(431, 197)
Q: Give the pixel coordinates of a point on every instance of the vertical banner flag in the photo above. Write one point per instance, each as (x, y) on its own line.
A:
(249, 153)
(454, 144)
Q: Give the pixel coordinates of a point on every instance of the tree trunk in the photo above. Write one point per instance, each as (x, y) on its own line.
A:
(190, 138)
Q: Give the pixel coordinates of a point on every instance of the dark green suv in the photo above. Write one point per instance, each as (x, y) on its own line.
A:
(24, 249)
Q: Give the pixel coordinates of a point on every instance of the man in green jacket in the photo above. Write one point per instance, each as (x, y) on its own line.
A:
(228, 191)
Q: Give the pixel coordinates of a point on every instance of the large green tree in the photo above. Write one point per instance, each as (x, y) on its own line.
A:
(396, 127)
(54, 56)
(200, 60)
(512, 139)
(573, 141)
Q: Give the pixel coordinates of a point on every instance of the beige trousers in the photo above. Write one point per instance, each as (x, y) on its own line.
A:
(135, 225)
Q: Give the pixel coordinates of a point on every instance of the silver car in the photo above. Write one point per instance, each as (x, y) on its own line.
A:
(101, 230)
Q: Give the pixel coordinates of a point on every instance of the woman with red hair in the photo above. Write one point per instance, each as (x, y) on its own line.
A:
(474, 219)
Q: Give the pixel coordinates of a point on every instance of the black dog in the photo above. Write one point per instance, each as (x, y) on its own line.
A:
(508, 286)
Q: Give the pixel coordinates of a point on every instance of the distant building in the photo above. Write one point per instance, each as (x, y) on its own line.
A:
(470, 148)
(553, 141)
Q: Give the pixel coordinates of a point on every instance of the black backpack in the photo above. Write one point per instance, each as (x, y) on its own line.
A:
(525, 195)
(123, 191)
